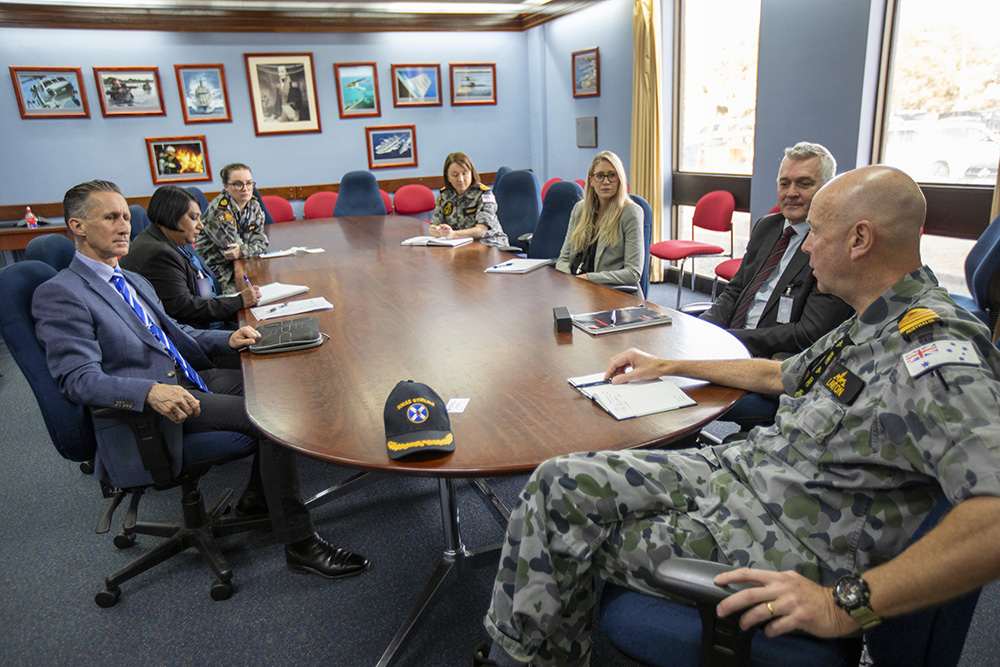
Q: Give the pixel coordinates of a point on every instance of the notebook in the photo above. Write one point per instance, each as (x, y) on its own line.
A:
(288, 335)
(622, 319)
(634, 399)
(433, 240)
(272, 292)
(519, 265)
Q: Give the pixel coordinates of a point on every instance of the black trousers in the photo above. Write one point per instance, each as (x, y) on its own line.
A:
(275, 471)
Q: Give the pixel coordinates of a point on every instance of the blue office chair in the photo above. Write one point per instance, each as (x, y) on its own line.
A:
(519, 204)
(200, 196)
(647, 235)
(659, 632)
(268, 218)
(359, 195)
(55, 250)
(501, 172)
(547, 240)
(139, 220)
(73, 428)
(982, 275)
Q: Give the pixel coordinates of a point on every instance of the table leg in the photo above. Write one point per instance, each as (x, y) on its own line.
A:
(353, 483)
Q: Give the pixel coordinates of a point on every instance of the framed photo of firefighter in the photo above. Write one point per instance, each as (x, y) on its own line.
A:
(391, 146)
(204, 98)
(587, 73)
(50, 92)
(130, 91)
(416, 85)
(357, 90)
(178, 159)
(473, 83)
(282, 92)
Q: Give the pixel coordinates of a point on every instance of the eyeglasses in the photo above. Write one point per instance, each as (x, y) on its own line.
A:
(610, 177)
(240, 185)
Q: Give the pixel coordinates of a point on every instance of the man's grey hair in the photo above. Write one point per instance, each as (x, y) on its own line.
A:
(805, 150)
(76, 201)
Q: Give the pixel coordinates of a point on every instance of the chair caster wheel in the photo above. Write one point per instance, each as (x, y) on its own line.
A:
(108, 597)
(124, 540)
(87, 467)
(221, 590)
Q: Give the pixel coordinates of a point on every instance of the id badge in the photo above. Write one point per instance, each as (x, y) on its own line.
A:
(204, 287)
(785, 309)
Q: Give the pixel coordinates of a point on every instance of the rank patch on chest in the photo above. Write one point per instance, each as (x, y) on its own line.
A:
(843, 384)
(940, 353)
(447, 208)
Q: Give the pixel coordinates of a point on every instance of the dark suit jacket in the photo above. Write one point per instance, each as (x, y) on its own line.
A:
(813, 312)
(101, 355)
(174, 278)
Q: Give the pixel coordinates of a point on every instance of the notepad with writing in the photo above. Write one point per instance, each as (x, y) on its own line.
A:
(272, 292)
(434, 240)
(634, 399)
(518, 265)
(620, 319)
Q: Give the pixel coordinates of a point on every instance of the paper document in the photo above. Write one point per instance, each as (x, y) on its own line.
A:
(272, 292)
(297, 250)
(635, 399)
(433, 240)
(291, 308)
(518, 265)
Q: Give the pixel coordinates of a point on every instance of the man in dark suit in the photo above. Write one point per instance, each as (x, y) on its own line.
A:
(772, 304)
(108, 343)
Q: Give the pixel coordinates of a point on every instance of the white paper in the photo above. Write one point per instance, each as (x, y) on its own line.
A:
(291, 308)
(296, 250)
(634, 399)
(518, 265)
(272, 292)
(433, 240)
(457, 404)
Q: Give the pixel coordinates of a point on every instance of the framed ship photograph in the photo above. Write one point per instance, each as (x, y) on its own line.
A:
(130, 91)
(391, 146)
(282, 92)
(50, 92)
(204, 98)
(587, 73)
(473, 83)
(178, 159)
(357, 90)
(416, 85)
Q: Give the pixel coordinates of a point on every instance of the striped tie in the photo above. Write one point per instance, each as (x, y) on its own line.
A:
(747, 297)
(119, 282)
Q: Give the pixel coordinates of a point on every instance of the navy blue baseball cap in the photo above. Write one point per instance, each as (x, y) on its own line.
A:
(416, 420)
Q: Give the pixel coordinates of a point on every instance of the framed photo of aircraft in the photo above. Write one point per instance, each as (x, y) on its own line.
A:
(416, 85)
(391, 146)
(50, 92)
(473, 83)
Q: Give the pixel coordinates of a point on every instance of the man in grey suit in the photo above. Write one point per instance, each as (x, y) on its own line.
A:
(772, 304)
(108, 343)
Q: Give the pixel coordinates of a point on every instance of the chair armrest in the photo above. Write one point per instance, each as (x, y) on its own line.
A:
(692, 579)
(526, 237)
(148, 433)
(696, 309)
(628, 289)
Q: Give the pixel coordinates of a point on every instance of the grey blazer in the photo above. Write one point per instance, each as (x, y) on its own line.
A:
(619, 264)
(101, 355)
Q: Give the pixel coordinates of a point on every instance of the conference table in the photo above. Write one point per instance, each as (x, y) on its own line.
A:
(431, 314)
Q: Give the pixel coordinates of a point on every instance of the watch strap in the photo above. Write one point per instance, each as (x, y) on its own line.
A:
(865, 617)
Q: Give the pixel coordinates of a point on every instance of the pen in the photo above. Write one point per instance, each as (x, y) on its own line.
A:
(275, 309)
(504, 264)
(249, 284)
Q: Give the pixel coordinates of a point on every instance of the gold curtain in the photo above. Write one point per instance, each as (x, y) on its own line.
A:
(645, 174)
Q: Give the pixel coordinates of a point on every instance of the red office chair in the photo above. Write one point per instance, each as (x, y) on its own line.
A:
(278, 207)
(548, 184)
(387, 200)
(320, 205)
(714, 212)
(582, 183)
(414, 199)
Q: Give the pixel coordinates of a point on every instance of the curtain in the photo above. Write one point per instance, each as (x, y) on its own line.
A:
(645, 172)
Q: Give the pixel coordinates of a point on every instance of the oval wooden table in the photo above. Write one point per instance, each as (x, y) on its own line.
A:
(432, 315)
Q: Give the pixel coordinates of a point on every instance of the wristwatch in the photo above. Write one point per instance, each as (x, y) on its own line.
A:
(851, 594)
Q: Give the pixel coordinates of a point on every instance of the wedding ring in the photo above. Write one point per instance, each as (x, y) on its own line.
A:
(771, 609)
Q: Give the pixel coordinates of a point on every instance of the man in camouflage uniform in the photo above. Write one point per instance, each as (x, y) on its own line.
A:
(879, 419)
(476, 206)
(227, 227)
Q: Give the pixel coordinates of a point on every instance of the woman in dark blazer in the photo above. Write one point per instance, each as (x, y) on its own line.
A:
(164, 255)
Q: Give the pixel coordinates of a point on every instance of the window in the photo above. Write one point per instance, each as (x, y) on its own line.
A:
(943, 108)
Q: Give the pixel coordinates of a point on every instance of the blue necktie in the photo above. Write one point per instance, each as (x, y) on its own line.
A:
(119, 282)
(195, 258)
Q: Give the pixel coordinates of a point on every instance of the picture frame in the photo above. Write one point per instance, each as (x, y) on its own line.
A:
(50, 92)
(357, 90)
(282, 93)
(204, 97)
(473, 83)
(130, 91)
(178, 159)
(586, 132)
(587, 73)
(416, 85)
(391, 146)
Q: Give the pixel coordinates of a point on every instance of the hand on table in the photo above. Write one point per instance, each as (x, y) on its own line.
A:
(644, 367)
(442, 231)
(243, 337)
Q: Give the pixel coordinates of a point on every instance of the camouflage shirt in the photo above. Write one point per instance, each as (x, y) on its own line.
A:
(851, 467)
(225, 224)
(477, 206)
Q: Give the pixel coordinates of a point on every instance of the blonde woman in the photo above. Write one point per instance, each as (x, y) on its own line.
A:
(604, 241)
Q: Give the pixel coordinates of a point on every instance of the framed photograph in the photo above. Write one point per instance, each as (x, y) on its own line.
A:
(416, 85)
(473, 83)
(282, 92)
(357, 89)
(130, 91)
(178, 159)
(587, 73)
(50, 92)
(392, 146)
(586, 132)
(204, 98)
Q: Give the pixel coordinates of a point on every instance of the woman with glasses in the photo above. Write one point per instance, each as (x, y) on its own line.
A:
(162, 254)
(604, 241)
(234, 225)
(466, 208)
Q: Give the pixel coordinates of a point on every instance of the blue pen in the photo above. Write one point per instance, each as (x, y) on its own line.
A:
(506, 264)
(275, 309)
(249, 284)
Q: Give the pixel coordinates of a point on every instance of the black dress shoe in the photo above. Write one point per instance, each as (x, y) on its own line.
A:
(251, 503)
(481, 656)
(317, 556)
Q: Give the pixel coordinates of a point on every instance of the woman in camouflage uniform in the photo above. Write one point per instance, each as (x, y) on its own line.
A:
(466, 208)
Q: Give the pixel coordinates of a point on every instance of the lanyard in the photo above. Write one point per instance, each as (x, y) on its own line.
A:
(819, 366)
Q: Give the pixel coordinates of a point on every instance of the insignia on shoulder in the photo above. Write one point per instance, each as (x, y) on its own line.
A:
(443, 188)
(484, 187)
(221, 216)
(940, 353)
(223, 202)
(915, 319)
(489, 198)
(448, 208)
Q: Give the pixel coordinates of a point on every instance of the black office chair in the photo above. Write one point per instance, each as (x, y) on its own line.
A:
(55, 250)
(73, 430)
(546, 241)
(686, 632)
(139, 220)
